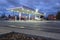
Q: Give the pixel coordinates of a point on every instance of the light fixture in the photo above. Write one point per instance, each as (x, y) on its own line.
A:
(11, 10)
(36, 10)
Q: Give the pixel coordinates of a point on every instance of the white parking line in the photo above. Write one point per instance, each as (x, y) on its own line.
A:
(16, 26)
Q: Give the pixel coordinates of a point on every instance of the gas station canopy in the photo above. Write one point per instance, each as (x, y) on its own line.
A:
(24, 10)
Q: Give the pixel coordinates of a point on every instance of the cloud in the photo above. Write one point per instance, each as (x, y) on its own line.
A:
(48, 6)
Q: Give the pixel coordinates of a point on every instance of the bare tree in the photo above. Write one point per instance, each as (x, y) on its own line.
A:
(58, 16)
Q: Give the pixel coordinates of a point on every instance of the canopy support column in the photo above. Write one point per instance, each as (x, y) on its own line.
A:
(35, 16)
(19, 16)
(29, 16)
(15, 18)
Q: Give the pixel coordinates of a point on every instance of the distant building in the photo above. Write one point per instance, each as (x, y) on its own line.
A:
(51, 17)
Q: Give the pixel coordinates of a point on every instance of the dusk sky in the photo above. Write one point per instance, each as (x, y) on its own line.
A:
(45, 6)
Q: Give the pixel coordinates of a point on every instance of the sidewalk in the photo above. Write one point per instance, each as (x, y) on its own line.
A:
(24, 21)
(28, 21)
(32, 21)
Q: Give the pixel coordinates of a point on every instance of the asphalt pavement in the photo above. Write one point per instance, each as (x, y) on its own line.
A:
(50, 29)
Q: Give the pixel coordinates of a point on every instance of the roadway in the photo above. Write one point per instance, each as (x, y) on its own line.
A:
(50, 29)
